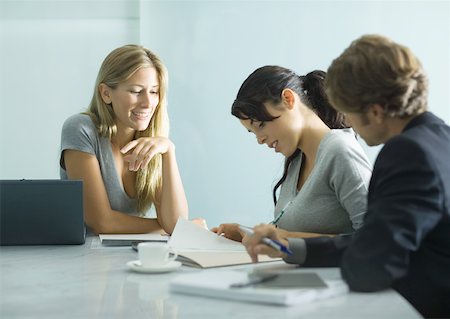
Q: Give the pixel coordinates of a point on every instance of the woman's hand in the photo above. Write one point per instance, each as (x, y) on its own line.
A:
(230, 231)
(255, 246)
(143, 150)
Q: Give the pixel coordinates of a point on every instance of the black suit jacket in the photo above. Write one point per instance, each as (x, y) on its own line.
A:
(405, 240)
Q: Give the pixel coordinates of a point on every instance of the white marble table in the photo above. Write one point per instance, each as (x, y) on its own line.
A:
(91, 281)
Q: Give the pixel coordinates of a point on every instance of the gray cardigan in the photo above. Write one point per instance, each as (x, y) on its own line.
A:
(333, 199)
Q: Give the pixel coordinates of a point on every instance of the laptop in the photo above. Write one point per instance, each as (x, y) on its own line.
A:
(41, 212)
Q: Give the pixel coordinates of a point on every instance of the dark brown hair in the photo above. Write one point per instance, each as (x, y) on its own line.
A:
(266, 84)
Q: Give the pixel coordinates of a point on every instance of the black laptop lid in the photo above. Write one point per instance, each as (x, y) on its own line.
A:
(41, 212)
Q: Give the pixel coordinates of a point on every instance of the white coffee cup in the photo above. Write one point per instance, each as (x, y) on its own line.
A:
(154, 254)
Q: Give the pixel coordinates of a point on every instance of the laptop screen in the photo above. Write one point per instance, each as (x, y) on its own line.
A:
(41, 212)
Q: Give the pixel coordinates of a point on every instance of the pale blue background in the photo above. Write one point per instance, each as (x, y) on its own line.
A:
(50, 52)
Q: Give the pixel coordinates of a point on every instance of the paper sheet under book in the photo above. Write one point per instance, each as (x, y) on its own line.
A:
(302, 287)
(128, 239)
(199, 247)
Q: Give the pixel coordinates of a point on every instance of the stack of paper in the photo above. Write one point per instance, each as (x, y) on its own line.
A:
(307, 287)
(199, 247)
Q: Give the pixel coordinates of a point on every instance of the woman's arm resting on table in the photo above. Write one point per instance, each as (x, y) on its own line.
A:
(98, 214)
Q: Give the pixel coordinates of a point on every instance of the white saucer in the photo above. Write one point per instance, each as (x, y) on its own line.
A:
(136, 266)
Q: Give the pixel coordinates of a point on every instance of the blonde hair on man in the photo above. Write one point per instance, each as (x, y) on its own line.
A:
(118, 67)
(376, 70)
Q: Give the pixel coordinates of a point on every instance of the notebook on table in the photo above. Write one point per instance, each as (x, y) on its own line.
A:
(277, 287)
(131, 239)
(41, 212)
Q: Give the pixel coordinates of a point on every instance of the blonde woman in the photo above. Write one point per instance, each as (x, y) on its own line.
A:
(121, 150)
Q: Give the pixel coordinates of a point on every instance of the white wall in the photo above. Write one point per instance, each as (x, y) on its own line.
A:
(210, 47)
(50, 52)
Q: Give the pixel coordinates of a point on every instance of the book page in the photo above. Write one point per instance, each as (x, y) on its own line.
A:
(189, 236)
(201, 248)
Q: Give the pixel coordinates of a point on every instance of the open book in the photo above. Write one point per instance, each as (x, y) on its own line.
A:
(286, 287)
(201, 248)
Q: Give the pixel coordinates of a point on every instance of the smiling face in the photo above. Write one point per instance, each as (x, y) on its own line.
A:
(281, 134)
(134, 101)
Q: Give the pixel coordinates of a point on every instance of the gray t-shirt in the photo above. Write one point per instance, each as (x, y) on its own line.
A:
(333, 199)
(79, 133)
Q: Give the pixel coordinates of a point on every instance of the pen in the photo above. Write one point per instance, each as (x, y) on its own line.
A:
(270, 242)
(275, 221)
(253, 281)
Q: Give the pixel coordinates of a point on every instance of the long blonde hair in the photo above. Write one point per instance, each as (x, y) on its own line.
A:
(118, 67)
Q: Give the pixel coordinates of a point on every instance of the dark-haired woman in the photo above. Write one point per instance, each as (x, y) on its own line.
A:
(325, 181)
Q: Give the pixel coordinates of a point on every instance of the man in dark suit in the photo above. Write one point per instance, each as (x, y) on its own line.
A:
(381, 88)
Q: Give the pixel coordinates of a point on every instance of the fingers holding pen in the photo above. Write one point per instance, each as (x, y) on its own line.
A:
(247, 242)
(263, 239)
(254, 243)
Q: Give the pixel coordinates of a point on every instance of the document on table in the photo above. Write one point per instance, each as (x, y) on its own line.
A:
(287, 287)
(201, 248)
(128, 239)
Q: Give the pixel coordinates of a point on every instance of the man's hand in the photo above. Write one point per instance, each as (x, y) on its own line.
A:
(255, 246)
